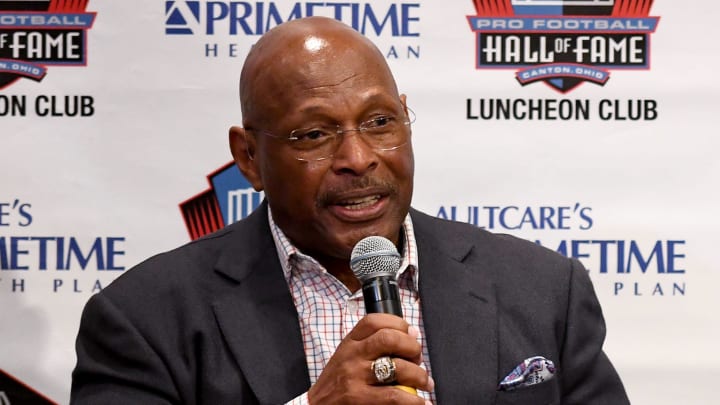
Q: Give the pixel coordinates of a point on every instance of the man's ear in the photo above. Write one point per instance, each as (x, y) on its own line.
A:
(242, 146)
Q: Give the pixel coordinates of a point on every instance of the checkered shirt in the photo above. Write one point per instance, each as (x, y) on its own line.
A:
(328, 310)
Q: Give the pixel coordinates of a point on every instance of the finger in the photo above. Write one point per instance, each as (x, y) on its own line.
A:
(410, 374)
(391, 342)
(371, 323)
(413, 332)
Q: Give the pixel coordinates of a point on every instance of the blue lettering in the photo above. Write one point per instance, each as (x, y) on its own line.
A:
(337, 14)
(355, 16)
(562, 248)
(112, 252)
(277, 19)
(60, 254)
(211, 50)
(25, 214)
(528, 218)
(585, 216)
(4, 265)
(406, 19)
(15, 252)
(644, 264)
(474, 215)
(216, 11)
(390, 17)
(414, 51)
(4, 212)
(546, 217)
(392, 53)
(618, 287)
(603, 253)
(248, 18)
(502, 217)
(443, 214)
(677, 288)
(662, 258)
(18, 284)
(75, 251)
(42, 246)
(104, 252)
(672, 256)
(621, 256)
(657, 290)
(562, 217)
(310, 8)
(491, 216)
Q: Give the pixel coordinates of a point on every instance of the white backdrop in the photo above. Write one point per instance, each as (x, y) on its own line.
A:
(161, 107)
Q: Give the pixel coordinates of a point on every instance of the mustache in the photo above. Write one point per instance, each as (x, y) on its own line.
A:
(335, 193)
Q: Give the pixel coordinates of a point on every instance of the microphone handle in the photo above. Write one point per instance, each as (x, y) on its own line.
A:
(382, 295)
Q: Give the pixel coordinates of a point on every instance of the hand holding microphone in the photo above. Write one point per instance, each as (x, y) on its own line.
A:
(375, 262)
(382, 348)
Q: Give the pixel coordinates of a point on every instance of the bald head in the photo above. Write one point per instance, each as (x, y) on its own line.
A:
(313, 51)
(306, 78)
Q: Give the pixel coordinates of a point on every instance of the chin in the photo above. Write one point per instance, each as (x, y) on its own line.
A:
(356, 236)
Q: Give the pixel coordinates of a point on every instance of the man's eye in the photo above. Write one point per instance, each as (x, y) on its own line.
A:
(380, 122)
(315, 134)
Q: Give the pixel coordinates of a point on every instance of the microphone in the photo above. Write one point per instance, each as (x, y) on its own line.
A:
(375, 262)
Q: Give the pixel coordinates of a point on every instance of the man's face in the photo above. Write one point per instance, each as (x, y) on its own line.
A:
(325, 207)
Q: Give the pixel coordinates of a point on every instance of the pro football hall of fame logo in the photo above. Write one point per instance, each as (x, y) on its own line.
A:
(35, 34)
(230, 198)
(563, 43)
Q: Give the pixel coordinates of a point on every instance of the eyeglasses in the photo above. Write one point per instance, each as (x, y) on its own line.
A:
(383, 133)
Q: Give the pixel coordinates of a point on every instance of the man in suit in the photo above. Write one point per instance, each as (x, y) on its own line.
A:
(267, 310)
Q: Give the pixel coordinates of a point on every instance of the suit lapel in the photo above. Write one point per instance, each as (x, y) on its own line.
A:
(260, 323)
(258, 317)
(459, 315)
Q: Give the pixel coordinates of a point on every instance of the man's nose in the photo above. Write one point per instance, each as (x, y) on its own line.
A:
(353, 154)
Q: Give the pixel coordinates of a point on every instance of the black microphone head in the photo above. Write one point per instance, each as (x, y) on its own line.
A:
(374, 256)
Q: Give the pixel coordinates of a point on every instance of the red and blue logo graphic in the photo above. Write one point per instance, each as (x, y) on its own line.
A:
(563, 43)
(230, 198)
(35, 34)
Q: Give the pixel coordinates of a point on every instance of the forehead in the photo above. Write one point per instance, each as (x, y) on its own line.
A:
(338, 92)
(312, 72)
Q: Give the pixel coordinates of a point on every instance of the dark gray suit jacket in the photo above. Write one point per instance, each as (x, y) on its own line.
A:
(213, 322)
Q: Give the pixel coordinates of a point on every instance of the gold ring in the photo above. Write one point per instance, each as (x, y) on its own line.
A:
(384, 370)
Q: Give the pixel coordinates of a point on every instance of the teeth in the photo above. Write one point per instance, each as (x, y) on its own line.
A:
(360, 203)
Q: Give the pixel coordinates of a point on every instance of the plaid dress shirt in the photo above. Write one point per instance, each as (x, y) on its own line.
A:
(328, 310)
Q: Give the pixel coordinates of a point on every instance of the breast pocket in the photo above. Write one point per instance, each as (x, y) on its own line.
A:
(546, 393)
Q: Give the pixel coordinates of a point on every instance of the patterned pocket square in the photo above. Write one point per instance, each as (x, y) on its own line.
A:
(531, 371)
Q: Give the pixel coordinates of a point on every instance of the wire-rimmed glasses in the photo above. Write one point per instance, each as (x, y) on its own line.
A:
(384, 132)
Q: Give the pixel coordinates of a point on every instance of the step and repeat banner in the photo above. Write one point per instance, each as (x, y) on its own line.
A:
(587, 126)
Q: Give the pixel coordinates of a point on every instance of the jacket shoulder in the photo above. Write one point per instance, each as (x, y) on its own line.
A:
(193, 264)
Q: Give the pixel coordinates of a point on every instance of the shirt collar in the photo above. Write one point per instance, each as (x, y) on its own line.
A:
(290, 256)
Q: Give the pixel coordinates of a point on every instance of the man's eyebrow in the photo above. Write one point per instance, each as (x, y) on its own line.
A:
(382, 97)
(325, 109)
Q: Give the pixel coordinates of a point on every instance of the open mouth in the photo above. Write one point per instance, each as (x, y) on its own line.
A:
(359, 203)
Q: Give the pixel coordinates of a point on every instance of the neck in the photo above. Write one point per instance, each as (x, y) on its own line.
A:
(340, 269)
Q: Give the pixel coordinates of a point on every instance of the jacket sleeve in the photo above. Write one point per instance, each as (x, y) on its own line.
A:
(587, 375)
(115, 364)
